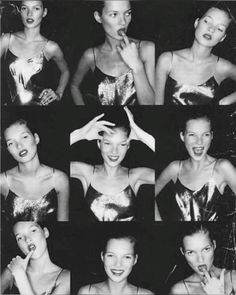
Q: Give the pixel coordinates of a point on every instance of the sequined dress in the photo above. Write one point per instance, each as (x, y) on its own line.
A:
(25, 77)
(17, 208)
(197, 205)
(111, 207)
(177, 93)
(104, 89)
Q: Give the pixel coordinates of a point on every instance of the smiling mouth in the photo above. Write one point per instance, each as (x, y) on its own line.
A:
(198, 151)
(23, 153)
(202, 268)
(117, 272)
(207, 36)
(113, 158)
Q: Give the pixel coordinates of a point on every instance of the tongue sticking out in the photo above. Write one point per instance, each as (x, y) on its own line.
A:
(202, 268)
(121, 32)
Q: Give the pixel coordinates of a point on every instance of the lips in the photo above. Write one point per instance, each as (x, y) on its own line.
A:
(113, 158)
(31, 247)
(202, 268)
(117, 272)
(207, 36)
(121, 32)
(23, 153)
(198, 150)
(29, 20)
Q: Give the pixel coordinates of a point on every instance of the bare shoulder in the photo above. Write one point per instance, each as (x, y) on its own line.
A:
(88, 56)
(52, 50)
(64, 276)
(164, 61)
(224, 165)
(60, 176)
(173, 168)
(81, 168)
(178, 289)
(147, 47)
(224, 67)
(142, 291)
(5, 40)
(85, 290)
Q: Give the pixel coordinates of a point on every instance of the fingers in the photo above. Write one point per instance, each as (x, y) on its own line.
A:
(103, 122)
(129, 114)
(207, 275)
(47, 96)
(27, 258)
(125, 38)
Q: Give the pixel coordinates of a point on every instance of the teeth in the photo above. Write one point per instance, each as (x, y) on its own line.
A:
(23, 153)
(202, 268)
(207, 36)
(112, 158)
(31, 247)
(121, 32)
(198, 150)
(117, 272)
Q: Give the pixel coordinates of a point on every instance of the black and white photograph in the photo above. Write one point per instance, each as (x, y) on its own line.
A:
(118, 147)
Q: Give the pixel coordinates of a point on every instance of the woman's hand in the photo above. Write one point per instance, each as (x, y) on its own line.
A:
(212, 285)
(139, 134)
(19, 264)
(91, 130)
(130, 54)
(47, 96)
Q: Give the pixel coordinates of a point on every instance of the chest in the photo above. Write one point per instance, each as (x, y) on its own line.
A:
(26, 50)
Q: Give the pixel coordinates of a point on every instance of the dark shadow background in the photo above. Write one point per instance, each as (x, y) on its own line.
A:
(167, 23)
(138, 155)
(170, 148)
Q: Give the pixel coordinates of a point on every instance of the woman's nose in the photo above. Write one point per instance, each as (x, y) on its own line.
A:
(29, 12)
(19, 145)
(200, 258)
(122, 20)
(199, 140)
(211, 29)
(114, 150)
(118, 263)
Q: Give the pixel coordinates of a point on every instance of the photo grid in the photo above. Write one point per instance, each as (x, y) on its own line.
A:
(118, 147)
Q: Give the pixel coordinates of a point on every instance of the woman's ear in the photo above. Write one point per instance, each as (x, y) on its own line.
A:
(36, 138)
(97, 17)
(196, 23)
(46, 232)
(45, 12)
(135, 259)
(181, 250)
(223, 38)
(99, 143)
(214, 244)
(102, 256)
(181, 136)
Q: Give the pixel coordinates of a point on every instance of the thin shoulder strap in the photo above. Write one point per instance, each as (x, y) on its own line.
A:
(179, 169)
(53, 177)
(8, 44)
(90, 181)
(139, 44)
(185, 285)
(90, 286)
(44, 46)
(58, 275)
(94, 57)
(137, 290)
(213, 168)
(7, 179)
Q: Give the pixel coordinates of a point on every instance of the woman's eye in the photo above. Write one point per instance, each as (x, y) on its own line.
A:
(221, 30)
(19, 239)
(123, 144)
(128, 13)
(207, 249)
(128, 257)
(114, 14)
(10, 144)
(189, 253)
(23, 8)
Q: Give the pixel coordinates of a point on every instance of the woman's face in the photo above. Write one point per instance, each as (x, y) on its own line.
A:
(115, 17)
(119, 259)
(198, 250)
(197, 138)
(30, 235)
(114, 147)
(211, 28)
(32, 13)
(21, 143)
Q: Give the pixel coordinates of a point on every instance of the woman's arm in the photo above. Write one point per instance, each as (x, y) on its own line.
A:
(227, 70)
(4, 42)
(142, 69)
(6, 280)
(83, 67)
(139, 134)
(3, 185)
(85, 290)
(229, 174)
(61, 183)
(142, 176)
(48, 95)
(162, 71)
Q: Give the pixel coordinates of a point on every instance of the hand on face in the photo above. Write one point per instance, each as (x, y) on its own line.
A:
(91, 129)
(129, 53)
(47, 96)
(212, 285)
(19, 264)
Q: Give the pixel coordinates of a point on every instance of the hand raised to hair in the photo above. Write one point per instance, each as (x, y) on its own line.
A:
(19, 264)
(91, 130)
(212, 285)
(130, 54)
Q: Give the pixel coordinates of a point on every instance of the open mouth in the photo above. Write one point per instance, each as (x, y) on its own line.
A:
(31, 247)
(202, 268)
(113, 158)
(121, 32)
(29, 20)
(207, 36)
(117, 272)
(23, 153)
(198, 151)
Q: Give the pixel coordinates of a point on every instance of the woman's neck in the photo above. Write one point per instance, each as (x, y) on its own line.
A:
(116, 288)
(199, 165)
(199, 52)
(42, 264)
(111, 43)
(32, 34)
(30, 168)
(111, 171)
